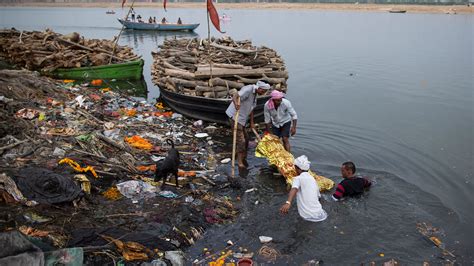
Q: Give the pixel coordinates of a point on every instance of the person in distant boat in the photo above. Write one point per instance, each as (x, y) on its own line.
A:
(280, 117)
(351, 185)
(179, 21)
(150, 20)
(306, 190)
(133, 17)
(154, 20)
(244, 101)
(139, 18)
(164, 21)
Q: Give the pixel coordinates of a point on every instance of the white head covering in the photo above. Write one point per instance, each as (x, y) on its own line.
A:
(262, 85)
(303, 163)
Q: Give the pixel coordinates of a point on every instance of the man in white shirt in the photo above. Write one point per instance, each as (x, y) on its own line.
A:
(280, 116)
(245, 101)
(307, 193)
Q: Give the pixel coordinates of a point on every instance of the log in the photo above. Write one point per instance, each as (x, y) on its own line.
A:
(211, 89)
(278, 74)
(220, 94)
(224, 82)
(179, 73)
(220, 65)
(231, 49)
(232, 72)
(186, 59)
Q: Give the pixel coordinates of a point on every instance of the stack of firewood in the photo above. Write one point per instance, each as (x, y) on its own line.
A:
(198, 68)
(47, 50)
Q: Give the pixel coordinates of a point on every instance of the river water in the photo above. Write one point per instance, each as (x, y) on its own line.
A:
(391, 92)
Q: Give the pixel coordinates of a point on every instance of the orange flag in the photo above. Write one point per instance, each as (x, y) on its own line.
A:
(213, 15)
(164, 4)
(123, 2)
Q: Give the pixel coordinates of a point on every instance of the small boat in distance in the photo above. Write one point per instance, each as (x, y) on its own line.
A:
(225, 17)
(110, 12)
(157, 26)
(397, 11)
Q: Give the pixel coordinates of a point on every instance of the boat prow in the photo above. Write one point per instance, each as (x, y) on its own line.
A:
(157, 26)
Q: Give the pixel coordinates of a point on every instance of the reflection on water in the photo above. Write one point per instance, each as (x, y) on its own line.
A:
(135, 88)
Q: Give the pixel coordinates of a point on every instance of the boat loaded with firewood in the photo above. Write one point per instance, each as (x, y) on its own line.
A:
(69, 56)
(157, 26)
(197, 78)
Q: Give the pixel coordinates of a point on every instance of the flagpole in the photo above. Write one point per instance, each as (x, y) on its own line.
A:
(209, 48)
(120, 33)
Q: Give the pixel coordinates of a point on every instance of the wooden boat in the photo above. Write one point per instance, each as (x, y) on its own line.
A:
(207, 109)
(397, 11)
(130, 70)
(157, 26)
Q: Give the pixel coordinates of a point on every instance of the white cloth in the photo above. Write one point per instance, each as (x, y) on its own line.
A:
(303, 163)
(248, 101)
(307, 198)
(263, 85)
(281, 115)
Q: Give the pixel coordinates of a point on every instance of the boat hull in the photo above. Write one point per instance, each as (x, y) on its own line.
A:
(207, 109)
(157, 26)
(130, 70)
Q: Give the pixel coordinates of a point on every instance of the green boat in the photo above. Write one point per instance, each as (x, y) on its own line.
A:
(132, 70)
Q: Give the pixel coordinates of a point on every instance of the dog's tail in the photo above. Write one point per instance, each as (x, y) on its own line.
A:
(170, 142)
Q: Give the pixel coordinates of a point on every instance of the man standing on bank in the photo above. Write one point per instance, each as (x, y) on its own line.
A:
(245, 101)
(280, 117)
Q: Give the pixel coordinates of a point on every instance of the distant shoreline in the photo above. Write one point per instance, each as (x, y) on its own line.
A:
(451, 9)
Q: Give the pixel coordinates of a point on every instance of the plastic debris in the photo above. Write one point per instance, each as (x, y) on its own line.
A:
(35, 218)
(59, 152)
(96, 82)
(265, 239)
(198, 123)
(201, 135)
(78, 168)
(80, 100)
(85, 183)
(176, 257)
(188, 199)
(168, 194)
(27, 113)
(136, 189)
(5, 99)
(226, 160)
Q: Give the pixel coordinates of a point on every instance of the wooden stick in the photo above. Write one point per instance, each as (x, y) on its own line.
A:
(12, 145)
(234, 141)
(256, 134)
(120, 33)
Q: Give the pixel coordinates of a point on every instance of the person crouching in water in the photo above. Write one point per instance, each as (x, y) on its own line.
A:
(307, 193)
(280, 117)
(351, 185)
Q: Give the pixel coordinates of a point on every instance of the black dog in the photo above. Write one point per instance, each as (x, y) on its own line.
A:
(168, 166)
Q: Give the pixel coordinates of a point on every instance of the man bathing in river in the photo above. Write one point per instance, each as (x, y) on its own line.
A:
(306, 190)
(351, 185)
(248, 100)
(280, 117)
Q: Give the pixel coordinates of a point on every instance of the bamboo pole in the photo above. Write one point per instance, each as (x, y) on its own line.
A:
(120, 33)
(234, 141)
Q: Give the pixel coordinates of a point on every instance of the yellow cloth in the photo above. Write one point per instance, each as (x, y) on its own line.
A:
(270, 147)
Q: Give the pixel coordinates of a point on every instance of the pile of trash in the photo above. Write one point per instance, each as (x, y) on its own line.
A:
(196, 67)
(47, 50)
(77, 165)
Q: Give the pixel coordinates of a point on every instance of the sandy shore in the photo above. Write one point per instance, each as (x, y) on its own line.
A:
(460, 9)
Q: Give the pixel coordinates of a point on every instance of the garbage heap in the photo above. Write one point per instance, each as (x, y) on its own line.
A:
(47, 50)
(77, 174)
(196, 67)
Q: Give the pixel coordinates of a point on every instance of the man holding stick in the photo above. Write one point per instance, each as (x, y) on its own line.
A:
(242, 105)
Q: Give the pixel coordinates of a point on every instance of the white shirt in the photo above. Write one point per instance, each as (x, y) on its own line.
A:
(281, 115)
(248, 101)
(307, 198)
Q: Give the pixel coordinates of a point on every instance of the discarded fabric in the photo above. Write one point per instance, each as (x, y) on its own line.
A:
(168, 194)
(139, 142)
(136, 189)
